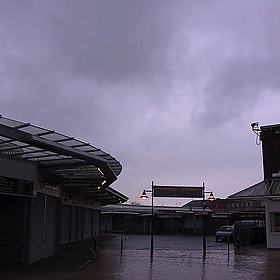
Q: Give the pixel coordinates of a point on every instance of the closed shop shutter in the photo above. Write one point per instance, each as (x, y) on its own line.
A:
(87, 224)
(65, 224)
(96, 221)
(37, 228)
(91, 223)
(12, 224)
(50, 226)
(74, 220)
(80, 223)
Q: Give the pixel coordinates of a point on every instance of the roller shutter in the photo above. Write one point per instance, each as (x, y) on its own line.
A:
(91, 223)
(50, 226)
(43, 225)
(96, 221)
(65, 224)
(74, 220)
(80, 224)
(87, 224)
(37, 228)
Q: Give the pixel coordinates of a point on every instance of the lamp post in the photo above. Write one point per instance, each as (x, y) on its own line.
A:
(145, 196)
(211, 198)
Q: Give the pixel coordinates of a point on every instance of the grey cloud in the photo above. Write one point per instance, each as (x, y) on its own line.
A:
(112, 40)
(144, 80)
(245, 64)
(236, 88)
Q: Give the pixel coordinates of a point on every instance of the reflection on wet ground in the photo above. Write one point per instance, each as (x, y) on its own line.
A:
(175, 257)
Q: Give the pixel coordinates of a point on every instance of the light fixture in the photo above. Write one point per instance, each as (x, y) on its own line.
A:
(256, 129)
(211, 197)
(100, 171)
(276, 131)
(144, 195)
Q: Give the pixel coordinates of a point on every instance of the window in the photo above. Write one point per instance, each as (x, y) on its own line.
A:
(275, 222)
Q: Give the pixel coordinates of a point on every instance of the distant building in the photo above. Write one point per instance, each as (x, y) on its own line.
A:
(130, 218)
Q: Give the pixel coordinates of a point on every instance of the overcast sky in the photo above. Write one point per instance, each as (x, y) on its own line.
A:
(169, 88)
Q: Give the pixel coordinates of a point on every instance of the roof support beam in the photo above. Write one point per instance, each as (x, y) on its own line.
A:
(68, 151)
(60, 149)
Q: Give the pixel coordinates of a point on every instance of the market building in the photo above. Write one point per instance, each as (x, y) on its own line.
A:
(52, 187)
(268, 190)
(138, 219)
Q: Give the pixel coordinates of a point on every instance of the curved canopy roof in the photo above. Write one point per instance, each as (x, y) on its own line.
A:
(82, 168)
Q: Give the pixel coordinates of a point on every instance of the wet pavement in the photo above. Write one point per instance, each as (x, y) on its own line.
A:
(175, 257)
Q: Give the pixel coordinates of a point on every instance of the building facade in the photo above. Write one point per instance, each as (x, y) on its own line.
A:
(52, 188)
(267, 191)
(270, 139)
(130, 218)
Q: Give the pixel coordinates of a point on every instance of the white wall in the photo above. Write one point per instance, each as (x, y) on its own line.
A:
(272, 236)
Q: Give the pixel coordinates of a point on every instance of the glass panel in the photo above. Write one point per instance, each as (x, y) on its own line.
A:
(3, 139)
(9, 122)
(55, 137)
(87, 148)
(70, 142)
(33, 130)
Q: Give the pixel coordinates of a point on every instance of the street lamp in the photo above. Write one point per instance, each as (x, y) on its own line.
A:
(145, 196)
(211, 198)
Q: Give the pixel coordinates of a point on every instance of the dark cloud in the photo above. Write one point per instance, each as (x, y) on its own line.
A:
(104, 40)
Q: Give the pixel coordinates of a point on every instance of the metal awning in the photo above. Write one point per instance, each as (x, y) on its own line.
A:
(81, 168)
(269, 188)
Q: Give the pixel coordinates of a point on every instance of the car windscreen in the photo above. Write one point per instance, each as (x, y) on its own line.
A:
(225, 229)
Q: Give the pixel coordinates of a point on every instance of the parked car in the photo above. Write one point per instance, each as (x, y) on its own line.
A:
(224, 233)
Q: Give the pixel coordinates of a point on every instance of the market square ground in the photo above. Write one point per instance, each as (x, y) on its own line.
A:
(175, 256)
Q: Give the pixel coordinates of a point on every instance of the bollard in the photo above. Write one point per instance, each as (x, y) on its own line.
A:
(121, 243)
(238, 240)
(95, 245)
(228, 245)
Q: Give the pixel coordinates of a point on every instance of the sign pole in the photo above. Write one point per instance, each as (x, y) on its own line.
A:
(203, 218)
(152, 229)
